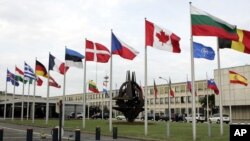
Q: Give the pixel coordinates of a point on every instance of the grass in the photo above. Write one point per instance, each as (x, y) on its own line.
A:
(156, 130)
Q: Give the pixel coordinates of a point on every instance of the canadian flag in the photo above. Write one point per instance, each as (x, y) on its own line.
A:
(96, 52)
(161, 38)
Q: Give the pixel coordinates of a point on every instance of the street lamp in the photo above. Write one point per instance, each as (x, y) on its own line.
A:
(106, 77)
(169, 111)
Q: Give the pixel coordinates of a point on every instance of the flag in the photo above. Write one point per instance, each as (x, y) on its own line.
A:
(237, 78)
(161, 38)
(104, 90)
(242, 45)
(211, 85)
(122, 49)
(20, 75)
(29, 72)
(11, 78)
(93, 87)
(41, 70)
(189, 86)
(96, 52)
(201, 51)
(204, 24)
(155, 90)
(53, 83)
(170, 89)
(39, 81)
(73, 58)
(57, 65)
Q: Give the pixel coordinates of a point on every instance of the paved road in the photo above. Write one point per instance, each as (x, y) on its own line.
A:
(14, 132)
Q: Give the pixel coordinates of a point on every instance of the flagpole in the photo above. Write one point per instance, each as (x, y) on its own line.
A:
(33, 105)
(64, 88)
(154, 103)
(187, 112)
(84, 92)
(220, 86)
(146, 92)
(27, 116)
(230, 105)
(208, 122)
(169, 109)
(47, 102)
(192, 78)
(5, 97)
(13, 96)
(22, 100)
(110, 88)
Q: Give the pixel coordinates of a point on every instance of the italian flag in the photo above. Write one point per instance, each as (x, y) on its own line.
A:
(204, 24)
(19, 75)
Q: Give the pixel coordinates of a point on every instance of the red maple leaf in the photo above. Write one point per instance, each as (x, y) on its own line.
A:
(162, 37)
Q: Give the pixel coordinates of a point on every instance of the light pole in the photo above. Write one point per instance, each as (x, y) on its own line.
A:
(106, 77)
(169, 111)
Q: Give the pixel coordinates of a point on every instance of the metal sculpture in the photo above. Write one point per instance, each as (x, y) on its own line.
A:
(130, 100)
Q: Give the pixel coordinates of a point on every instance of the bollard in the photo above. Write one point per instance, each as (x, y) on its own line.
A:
(54, 134)
(97, 133)
(29, 136)
(77, 135)
(114, 132)
(1, 134)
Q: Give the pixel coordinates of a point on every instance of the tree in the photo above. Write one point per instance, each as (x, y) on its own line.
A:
(211, 102)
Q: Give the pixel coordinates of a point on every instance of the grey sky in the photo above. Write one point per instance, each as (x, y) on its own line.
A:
(30, 29)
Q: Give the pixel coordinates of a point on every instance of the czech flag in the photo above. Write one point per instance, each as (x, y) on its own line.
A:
(122, 49)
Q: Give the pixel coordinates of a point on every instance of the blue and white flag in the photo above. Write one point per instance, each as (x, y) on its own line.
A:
(201, 51)
(73, 58)
(29, 72)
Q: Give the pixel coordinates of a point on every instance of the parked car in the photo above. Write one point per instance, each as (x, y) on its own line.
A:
(216, 118)
(71, 115)
(199, 118)
(79, 115)
(151, 117)
(99, 116)
(121, 117)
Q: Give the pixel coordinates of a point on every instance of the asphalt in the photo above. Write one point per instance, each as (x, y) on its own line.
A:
(13, 132)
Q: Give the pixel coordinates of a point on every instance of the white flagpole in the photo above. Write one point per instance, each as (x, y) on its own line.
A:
(110, 89)
(27, 116)
(208, 122)
(146, 92)
(64, 88)
(34, 94)
(187, 112)
(47, 101)
(84, 93)
(169, 110)
(5, 97)
(13, 96)
(220, 86)
(193, 79)
(22, 100)
(230, 105)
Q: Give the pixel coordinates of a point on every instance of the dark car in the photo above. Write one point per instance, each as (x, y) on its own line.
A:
(99, 116)
(151, 117)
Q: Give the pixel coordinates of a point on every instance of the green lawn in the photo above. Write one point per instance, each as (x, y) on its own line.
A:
(156, 130)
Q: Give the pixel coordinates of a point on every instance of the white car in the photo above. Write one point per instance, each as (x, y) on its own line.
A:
(216, 118)
(199, 118)
(121, 117)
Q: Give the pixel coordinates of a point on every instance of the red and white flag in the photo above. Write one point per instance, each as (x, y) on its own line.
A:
(96, 52)
(161, 38)
(53, 83)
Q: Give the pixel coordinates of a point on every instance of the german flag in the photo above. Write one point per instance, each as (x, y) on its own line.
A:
(237, 78)
(41, 70)
(243, 45)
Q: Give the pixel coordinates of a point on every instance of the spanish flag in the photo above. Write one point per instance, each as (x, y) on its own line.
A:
(41, 70)
(243, 44)
(237, 78)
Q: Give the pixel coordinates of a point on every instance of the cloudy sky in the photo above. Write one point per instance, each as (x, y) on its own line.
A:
(32, 29)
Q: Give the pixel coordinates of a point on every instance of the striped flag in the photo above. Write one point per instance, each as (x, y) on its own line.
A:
(28, 71)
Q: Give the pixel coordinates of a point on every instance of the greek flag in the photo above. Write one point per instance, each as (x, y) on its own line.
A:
(201, 51)
(29, 72)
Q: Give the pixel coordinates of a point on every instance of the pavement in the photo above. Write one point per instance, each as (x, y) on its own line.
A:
(13, 132)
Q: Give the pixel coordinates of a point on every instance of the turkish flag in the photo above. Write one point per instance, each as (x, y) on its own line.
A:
(161, 38)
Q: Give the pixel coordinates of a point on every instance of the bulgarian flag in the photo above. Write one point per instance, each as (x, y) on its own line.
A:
(204, 24)
(19, 75)
(93, 87)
